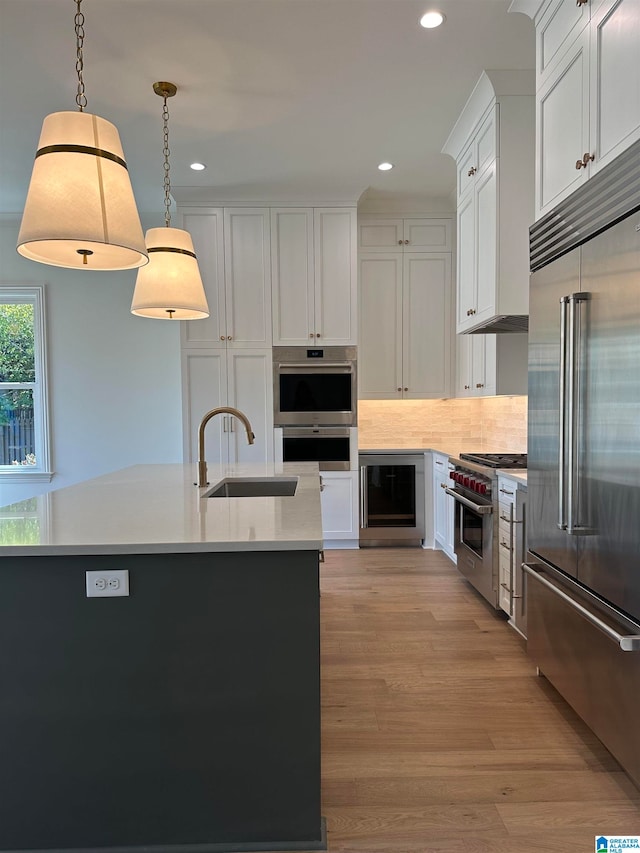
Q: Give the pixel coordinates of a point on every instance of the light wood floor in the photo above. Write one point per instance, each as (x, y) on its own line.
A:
(436, 733)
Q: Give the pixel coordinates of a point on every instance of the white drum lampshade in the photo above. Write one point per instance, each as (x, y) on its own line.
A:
(170, 287)
(80, 210)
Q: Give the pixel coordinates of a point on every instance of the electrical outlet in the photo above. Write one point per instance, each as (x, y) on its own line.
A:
(107, 584)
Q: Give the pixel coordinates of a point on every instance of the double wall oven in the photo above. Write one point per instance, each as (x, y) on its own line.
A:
(315, 406)
(475, 490)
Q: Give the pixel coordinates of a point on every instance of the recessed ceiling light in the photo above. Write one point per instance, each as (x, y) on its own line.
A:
(384, 167)
(198, 167)
(431, 20)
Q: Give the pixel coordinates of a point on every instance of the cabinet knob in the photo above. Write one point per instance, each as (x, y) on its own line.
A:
(586, 159)
(229, 337)
(406, 389)
(310, 334)
(466, 387)
(479, 385)
(471, 172)
(400, 242)
(406, 242)
(399, 389)
(443, 485)
(222, 338)
(317, 334)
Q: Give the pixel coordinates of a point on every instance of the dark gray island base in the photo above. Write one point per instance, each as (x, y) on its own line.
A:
(185, 717)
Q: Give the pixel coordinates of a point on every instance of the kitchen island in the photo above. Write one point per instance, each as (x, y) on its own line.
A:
(185, 715)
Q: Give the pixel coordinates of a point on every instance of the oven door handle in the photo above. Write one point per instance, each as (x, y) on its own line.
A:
(481, 509)
(316, 365)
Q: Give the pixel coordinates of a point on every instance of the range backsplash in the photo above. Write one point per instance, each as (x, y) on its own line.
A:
(490, 424)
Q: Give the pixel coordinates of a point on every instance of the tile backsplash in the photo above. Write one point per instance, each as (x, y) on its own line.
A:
(491, 424)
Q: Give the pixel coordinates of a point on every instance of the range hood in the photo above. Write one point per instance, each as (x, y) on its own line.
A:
(501, 324)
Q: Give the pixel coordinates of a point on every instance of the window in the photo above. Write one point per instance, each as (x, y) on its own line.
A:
(24, 438)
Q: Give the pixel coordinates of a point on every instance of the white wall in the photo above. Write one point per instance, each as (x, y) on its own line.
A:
(114, 379)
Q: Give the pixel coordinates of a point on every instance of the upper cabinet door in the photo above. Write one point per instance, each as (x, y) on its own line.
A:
(292, 276)
(560, 25)
(427, 235)
(335, 265)
(206, 228)
(486, 243)
(466, 300)
(380, 235)
(562, 127)
(380, 347)
(615, 79)
(426, 324)
(247, 277)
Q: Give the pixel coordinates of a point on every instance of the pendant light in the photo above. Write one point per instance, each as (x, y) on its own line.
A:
(170, 286)
(80, 211)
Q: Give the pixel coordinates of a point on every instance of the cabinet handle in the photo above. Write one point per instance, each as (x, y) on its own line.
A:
(586, 159)
(443, 485)
(470, 312)
(581, 3)
(504, 586)
(321, 483)
(466, 387)
(471, 172)
(505, 546)
(479, 385)
(439, 463)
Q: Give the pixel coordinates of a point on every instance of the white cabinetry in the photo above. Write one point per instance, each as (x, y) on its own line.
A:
(405, 325)
(313, 257)
(226, 358)
(233, 252)
(487, 365)
(506, 543)
(512, 547)
(339, 502)
(493, 146)
(588, 90)
(410, 235)
(239, 378)
(444, 505)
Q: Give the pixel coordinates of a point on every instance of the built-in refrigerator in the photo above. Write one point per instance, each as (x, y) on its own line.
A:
(583, 502)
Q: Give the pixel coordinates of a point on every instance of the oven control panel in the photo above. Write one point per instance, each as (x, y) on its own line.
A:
(472, 481)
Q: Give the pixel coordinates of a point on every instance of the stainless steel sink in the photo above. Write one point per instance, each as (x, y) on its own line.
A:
(254, 487)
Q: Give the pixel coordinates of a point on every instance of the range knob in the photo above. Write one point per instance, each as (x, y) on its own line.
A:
(452, 475)
(465, 481)
(472, 483)
(483, 488)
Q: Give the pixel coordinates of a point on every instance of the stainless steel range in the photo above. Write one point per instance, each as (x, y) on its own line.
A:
(475, 490)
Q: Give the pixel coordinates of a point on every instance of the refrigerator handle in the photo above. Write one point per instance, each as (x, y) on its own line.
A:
(562, 493)
(574, 382)
(363, 497)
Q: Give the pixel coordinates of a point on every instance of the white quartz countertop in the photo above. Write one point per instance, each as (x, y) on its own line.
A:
(153, 509)
(517, 474)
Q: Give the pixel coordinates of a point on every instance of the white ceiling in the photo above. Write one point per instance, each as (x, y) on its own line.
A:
(282, 99)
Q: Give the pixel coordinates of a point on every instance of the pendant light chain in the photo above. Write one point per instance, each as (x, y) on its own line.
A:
(81, 98)
(166, 152)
